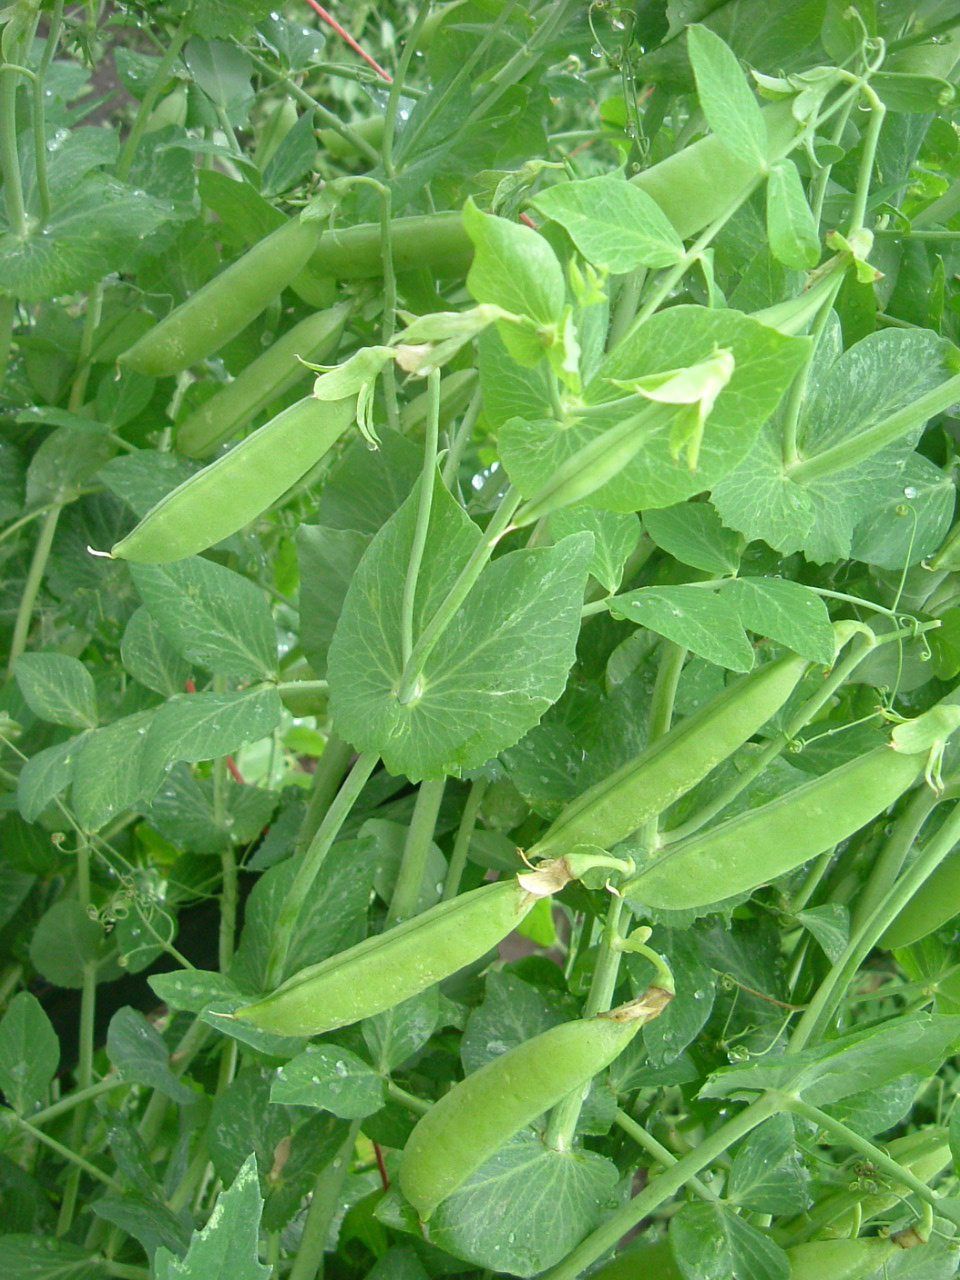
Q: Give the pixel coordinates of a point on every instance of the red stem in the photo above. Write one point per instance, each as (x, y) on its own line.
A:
(381, 1165)
(331, 21)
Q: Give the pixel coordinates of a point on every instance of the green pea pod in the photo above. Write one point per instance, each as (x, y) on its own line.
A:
(226, 304)
(935, 903)
(756, 847)
(238, 487)
(841, 1259)
(483, 1112)
(384, 970)
(227, 412)
(648, 784)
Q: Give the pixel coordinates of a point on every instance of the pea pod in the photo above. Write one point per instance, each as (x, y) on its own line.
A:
(226, 304)
(935, 903)
(841, 1259)
(648, 784)
(756, 847)
(479, 1115)
(384, 970)
(227, 412)
(238, 487)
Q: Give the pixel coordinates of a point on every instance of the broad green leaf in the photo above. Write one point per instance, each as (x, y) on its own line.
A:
(218, 1013)
(331, 1079)
(226, 18)
(57, 688)
(45, 776)
(509, 390)
(494, 671)
(150, 658)
(183, 812)
(667, 1036)
(33, 1257)
(223, 71)
(206, 726)
(14, 887)
(768, 1174)
(387, 844)
(328, 560)
(725, 96)
(107, 772)
(143, 478)
(614, 224)
(911, 523)
(713, 1242)
(514, 268)
(244, 1121)
(227, 1247)
(64, 941)
(512, 1011)
(525, 1208)
(365, 488)
(147, 1220)
(692, 533)
(396, 1034)
(680, 337)
(210, 615)
(850, 1064)
(830, 925)
(191, 989)
(138, 1052)
(791, 229)
(706, 622)
(615, 537)
(67, 460)
(787, 612)
(332, 919)
(313, 1147)
(293, 159)
(29, 1053)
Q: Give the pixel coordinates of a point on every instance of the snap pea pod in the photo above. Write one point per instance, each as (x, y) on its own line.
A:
(227, 412)
(648, 784)
(229, 493)
(935, 903)
(483, 1112)
(756, 847)
(226, 304)
(841, 1259)
(384, 970)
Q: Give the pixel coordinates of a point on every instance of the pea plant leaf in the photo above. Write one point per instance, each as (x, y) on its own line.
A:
(227, 1245)
(791, 228)
(710, 1241)
(58, 688)
(615, 225)
(29, 1053)
(725, 96)
(138, 1053)
(481, 689)
(692, 533)
(107, 773)
(768, 1175)
(331, 1079)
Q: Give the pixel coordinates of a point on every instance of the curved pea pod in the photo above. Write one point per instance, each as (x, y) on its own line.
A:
(650, 783)
(483, 1112)
(841, 1259)
(747, 851)
(226, 304)
(229, 493)
(384, 970)
(227, 412)
(935, 903)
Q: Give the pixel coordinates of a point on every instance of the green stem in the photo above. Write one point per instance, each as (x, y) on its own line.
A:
(625, 307)
(525, 59)
(416, 852)
(647, 1142)
(425, 503)
(663, 1188)
(39, 113)
(149, 101)
(78, 1098)
(867, 157)
(90, 322)
(461, 844)
(396, 88)
(409, 1100)
(331, 769)
(77, 1162)
(451, 463)
(876, 1155)
(498, 527)
(798, 390)
(893, 854)
(9, 154)
(308, 1264)
(311, 862)
(848, 453)
(820, 1012)
(8, 315)
(349, 134)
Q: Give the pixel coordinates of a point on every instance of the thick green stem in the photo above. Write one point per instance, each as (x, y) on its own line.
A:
(497, 528)
(647, 1142)
(424, 506)
(149, 101)
(893, 854)
(867, 157)
(331, 769)
(461, 844)
(821, 1010)
(308, 1264)
(451, 463)
(663, 1188)
(416, 852)
(91, 320)
(31, 588)
(798, 390)
(78, 1098)
(311, 862)
(396, 88)
(9, 155)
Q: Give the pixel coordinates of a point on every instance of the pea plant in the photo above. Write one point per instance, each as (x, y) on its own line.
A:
(481, 604)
